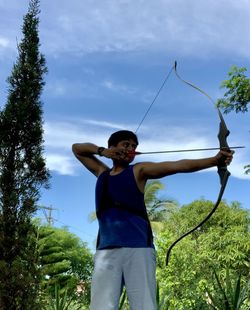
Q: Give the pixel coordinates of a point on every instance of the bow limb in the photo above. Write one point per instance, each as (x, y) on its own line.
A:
(222, 189)
(222, 169)
(223, 130)
(191, 84)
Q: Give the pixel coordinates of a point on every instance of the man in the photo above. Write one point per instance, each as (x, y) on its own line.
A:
(125, 252)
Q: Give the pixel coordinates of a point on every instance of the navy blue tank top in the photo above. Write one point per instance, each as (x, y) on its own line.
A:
(121, 212)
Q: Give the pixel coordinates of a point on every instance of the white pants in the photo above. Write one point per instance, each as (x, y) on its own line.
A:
(132, 267)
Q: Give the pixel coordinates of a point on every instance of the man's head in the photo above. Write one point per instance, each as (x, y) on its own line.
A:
(122, 135)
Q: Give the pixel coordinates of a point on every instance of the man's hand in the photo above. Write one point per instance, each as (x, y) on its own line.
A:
(224, 158)
(115, 153)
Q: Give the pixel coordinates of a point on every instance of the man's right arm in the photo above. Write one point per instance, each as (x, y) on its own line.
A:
(85, 153)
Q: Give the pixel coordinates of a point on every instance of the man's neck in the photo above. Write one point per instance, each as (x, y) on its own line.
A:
(117, 168)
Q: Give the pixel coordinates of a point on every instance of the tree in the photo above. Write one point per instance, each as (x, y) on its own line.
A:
(65, 262)
(221, 244)
(237, 96)
(23, 171)
(158, 209)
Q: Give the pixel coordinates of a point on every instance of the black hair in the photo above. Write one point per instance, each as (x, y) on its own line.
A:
(121, 135)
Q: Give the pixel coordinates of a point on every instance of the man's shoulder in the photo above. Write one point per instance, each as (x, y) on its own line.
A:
(141, 165)
(139, 168)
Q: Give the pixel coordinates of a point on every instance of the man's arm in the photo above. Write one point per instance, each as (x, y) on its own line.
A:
(85, 153)
(150, 170)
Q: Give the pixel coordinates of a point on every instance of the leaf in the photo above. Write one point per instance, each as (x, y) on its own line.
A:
(237, 294)
(122, 300)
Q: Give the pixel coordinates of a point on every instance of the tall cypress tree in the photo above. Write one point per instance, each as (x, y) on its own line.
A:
(23, 171)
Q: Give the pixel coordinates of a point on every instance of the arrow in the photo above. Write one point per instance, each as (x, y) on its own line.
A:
(188, 150)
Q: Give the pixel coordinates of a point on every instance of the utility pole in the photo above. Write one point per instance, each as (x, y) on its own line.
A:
(48, 215)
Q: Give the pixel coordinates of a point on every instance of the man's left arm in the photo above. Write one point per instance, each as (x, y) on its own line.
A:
(149, 170)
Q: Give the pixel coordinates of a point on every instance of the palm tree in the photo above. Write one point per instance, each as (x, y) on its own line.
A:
(158, 209)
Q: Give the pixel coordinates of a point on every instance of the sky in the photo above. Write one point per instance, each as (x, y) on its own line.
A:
(106, 61)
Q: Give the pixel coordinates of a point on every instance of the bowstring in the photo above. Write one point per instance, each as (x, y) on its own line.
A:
(156, 96)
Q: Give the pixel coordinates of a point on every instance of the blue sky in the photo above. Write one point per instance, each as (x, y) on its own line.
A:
(106, 61)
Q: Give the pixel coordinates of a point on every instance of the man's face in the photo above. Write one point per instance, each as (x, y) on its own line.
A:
(128, 146)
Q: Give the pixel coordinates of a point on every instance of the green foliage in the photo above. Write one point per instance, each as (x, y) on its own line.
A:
(23, 171)
(158, 209)
(161, 299)
(62, 301)
(220, 244)
(237, 96)
(65, 262)
(123, 301)
(229, 292)
(247, 167)
(151, 190)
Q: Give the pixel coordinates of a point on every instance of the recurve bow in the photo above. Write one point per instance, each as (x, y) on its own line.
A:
(222, 169)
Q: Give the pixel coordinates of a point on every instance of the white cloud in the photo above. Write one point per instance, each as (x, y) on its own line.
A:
(4, 42)
(181, 26)
(184, 26)
(60, 163)
(237, 169)
(59, 137)
(121, 88)
(62, 135)
(105, 124)
(70, 88)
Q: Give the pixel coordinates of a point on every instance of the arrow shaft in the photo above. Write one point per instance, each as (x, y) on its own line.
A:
(188, 150)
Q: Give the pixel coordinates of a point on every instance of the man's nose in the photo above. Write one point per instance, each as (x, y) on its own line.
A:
(130, 148)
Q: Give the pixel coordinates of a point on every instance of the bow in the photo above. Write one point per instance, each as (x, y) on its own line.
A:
(222, 169)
